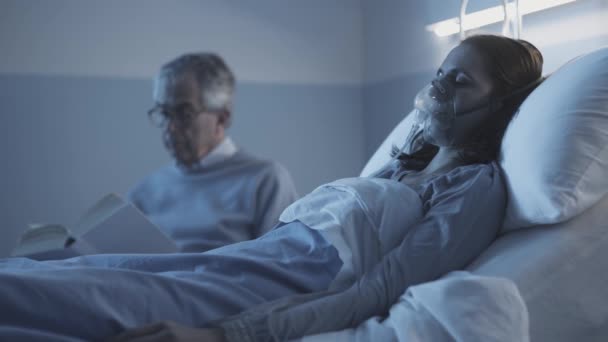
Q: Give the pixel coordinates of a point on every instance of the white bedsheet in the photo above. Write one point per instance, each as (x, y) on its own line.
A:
(561, 271)
(458, 307)
(363, 218)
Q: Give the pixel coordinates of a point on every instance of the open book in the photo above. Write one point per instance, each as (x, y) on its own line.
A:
(112, 225)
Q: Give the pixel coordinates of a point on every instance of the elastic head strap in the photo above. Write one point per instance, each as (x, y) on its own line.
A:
(496, 104)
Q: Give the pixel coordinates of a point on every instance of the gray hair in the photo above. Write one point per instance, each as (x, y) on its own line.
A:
(212, 74)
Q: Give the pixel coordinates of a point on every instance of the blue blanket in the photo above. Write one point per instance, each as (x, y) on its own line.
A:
(94, 297)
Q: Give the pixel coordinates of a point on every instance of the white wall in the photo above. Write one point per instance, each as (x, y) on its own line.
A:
(312, 41)
(75, 83)
(397, 44)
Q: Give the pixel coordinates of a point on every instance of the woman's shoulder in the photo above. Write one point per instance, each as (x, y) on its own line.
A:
(365, 184)
(462, 178)
(491, 169)
(483, 180)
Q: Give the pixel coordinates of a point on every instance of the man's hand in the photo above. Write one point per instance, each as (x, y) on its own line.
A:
(168, 331)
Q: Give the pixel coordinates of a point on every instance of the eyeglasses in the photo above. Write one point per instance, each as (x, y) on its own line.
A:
(183, 115)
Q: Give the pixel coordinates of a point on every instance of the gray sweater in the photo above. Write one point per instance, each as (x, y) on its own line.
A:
(233, 200)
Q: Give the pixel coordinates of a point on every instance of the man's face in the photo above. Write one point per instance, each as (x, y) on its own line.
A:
(190, 132)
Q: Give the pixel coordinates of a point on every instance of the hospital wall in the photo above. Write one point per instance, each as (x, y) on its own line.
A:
(76, 78)
(400, 56)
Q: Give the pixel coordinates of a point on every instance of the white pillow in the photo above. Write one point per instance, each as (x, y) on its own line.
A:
(383, 153)
(555, 151)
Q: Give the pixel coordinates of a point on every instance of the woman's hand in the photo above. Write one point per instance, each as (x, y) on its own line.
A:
(168, 331)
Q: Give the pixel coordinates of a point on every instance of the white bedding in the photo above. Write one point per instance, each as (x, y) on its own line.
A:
(458, 307)
(561, 271)
(363, 218)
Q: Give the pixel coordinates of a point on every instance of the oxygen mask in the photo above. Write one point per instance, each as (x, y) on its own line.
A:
(433, 110)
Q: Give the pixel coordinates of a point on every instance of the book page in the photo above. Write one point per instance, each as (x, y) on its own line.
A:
(127, 230)
(41, 237)
(99, 212)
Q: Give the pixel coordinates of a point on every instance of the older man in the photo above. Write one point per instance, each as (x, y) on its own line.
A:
(215, 193)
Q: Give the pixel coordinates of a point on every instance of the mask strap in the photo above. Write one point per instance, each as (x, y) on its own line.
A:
(497, 104)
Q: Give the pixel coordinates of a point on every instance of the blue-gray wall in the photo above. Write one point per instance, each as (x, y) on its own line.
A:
(75, 84)
(66, 141)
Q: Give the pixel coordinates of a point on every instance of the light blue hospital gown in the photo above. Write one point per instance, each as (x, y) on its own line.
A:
(453, 218)
(462, 213)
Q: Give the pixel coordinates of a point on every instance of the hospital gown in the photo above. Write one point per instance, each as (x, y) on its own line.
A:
(463, 211)
(97, 296)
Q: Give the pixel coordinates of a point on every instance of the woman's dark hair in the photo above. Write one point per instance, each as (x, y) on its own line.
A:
(516, 67)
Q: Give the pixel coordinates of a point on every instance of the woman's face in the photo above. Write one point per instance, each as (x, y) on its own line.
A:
(466, 71)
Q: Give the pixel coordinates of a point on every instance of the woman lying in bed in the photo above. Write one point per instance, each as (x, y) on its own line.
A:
(342, 254)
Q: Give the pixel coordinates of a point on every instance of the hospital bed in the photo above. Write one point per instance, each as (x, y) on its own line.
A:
(561, 273)
(559, 261)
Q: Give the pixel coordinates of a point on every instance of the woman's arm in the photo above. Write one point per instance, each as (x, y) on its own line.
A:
(466, 213)
(168, 331)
